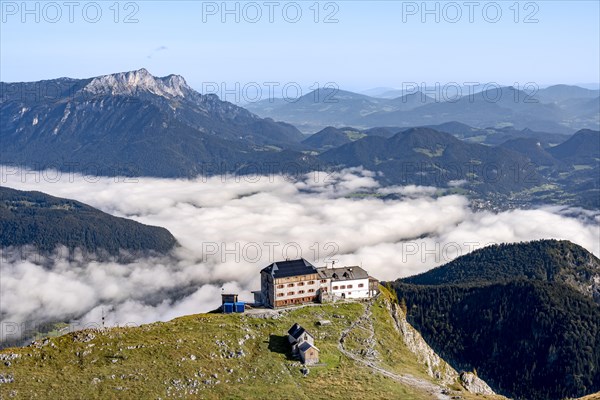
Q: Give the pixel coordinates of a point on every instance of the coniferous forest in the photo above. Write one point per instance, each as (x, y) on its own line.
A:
(533, 336)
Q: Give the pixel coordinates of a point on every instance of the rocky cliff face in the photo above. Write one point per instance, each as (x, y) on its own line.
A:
(586, 280)
(474, 384)
(133, 82)
(436, 366)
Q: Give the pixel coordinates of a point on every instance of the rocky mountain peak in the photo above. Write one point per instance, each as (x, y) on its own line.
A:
(134, 82)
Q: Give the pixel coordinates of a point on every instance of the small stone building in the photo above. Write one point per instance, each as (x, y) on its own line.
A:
(309, 354)
(297, 335)
(303, 344)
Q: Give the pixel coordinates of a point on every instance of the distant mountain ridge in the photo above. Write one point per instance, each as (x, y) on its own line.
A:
(558, 109)
(424, 156)
(331, 137)
(560, 93)
(334, 137)
(333, 107)
(582, 148)
(525, 165)
(136, 124)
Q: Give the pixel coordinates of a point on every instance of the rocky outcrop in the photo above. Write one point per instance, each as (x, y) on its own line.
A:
(474, 384)
(132, 82)
(595, 288)
(6, 378)
(436, 366)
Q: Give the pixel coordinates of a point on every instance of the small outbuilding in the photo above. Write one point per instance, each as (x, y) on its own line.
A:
(230, 304)
(300, 338)
(309, 354)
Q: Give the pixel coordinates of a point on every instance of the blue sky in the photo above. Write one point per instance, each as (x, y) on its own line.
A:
(373, 43)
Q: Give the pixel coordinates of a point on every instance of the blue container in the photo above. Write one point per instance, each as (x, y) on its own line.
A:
(240, 307)
(227, 308)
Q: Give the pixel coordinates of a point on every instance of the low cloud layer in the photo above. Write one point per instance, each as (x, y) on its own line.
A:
(231, 227)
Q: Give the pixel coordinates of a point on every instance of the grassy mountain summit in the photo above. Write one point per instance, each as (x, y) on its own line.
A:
(216, 356)
(525, 315)
(45, 222)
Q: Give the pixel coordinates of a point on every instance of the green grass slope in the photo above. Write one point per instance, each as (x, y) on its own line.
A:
(215, 356)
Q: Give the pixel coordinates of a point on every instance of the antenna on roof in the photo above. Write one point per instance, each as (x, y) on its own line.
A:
(332, 263)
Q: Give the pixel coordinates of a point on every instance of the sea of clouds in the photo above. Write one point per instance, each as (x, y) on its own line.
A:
(229, 228)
